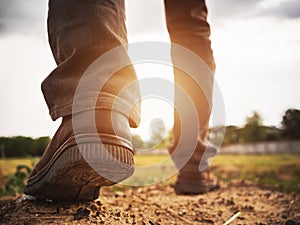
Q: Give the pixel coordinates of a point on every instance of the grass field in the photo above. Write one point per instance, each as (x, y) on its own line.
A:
(281, 172)
(8, 166)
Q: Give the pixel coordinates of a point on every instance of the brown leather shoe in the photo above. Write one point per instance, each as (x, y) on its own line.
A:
(191, 181)
(75, 165)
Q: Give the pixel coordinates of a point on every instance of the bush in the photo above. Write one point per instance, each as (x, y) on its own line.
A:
(16, 181)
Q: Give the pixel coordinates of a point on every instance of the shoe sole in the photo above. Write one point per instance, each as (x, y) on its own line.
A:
(78, 172)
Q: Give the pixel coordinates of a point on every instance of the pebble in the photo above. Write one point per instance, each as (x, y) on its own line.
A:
(292, 222)
(267, 194)
(81, 213)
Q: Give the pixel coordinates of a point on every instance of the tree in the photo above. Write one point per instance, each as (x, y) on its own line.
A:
(231, 135)
(158, 131)
(253, 130)
(39, 145)
(20, 146)
(254, 120)
(291, 124)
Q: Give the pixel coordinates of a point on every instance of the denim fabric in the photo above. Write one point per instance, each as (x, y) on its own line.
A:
(188, 27)
(79, 32)
(82, 30)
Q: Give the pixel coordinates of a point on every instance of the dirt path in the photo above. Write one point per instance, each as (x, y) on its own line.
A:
(159, 205)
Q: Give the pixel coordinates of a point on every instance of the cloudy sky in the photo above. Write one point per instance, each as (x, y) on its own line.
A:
(256, 45)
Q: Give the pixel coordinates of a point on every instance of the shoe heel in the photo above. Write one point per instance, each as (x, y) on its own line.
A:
(79, 172)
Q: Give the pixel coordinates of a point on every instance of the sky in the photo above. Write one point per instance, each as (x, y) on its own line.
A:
(256, 45)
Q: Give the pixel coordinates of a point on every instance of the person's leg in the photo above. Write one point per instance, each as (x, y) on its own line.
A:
(79, 32)
(188, 27)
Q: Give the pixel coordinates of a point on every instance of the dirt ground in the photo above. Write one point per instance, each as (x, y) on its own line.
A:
(158, 204)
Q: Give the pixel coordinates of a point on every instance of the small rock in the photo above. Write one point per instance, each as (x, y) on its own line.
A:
(118, 214)
(98, 203)
(230, 201)
(129, 207)
(181, 213)
(201, 201)
(208, 220)
(139, 190)
(81, 214)
(135, 209)
(250, 193)
(119, 194)
(94, 207)
(292, 222)
(248, 208)
(151, 223)
(280, 195)
(157, 212)
(25, 198)
(154, 192)
(267, 194)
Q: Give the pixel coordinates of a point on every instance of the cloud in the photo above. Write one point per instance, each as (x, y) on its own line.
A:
(27, 16)
(285, 9)
(230, 9)
(22, 16)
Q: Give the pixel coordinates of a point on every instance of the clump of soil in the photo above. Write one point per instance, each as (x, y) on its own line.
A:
(158, 204)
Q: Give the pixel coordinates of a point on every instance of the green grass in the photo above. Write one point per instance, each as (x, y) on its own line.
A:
(280, 172)
(144, 160)
(151, 169)
(13, 175)
(8, 166)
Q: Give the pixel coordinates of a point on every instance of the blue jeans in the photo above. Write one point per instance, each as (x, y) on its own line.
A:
(82, 30)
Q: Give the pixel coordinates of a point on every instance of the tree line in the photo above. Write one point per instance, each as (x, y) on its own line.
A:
(255, 131)
(20, 146)
(252, 131)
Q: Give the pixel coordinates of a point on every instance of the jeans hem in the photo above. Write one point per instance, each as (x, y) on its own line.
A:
(105, 102)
